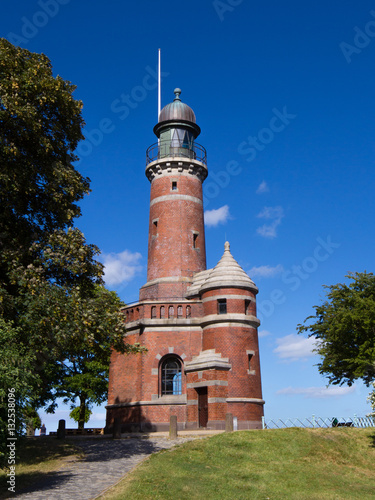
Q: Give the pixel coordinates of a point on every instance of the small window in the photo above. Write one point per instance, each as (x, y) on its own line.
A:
(155, 227)
(171, 377)
(170, 312)
(250, 365)
(188, 311)
(195, 240)
(174, 185)
(179, 311)
(247, 306)
(162, 312)
(222, 306)
(153, 312)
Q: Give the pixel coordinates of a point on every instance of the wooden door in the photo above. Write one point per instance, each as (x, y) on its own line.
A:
(202, 406)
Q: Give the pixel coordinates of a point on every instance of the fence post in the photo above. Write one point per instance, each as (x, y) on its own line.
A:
(116, 431)
(263, 423)
(355, 420)
(173, 427)
(61, 430)
(229, 422)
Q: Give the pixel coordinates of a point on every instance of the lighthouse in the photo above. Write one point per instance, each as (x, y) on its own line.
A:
(199, 325)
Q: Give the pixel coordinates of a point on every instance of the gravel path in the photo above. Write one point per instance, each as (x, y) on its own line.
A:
(105, 462)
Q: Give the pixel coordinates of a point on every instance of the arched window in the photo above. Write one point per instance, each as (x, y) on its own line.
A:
(170, 312)
(179, 311)
(188, 311)
(171, 376)
(162, 312)
(153, 312)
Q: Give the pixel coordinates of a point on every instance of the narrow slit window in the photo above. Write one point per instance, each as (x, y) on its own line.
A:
(155, 227)
(170, 312)
(195, 240)
(222, 306)
(247, 306)
(250, 364)
(174, 185)
(162, 312)
(179, 312)
(153, 312)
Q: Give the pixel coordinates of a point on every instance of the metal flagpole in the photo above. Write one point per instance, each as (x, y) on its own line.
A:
(159, 87)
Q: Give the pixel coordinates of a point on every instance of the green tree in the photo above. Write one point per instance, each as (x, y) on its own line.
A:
(371, 400)
(344, 327)
(50, 279)
(17, 379)
(70, 320)
(40, 127)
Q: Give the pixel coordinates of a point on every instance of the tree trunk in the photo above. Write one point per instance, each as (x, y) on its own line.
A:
(82, 412)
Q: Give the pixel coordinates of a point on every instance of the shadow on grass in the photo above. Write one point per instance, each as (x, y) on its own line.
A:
(35, 481)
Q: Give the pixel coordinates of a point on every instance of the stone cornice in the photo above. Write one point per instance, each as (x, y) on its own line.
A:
(173, 166)
(207, 360)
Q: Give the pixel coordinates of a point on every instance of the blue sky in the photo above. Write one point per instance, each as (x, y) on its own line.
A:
(284, 95)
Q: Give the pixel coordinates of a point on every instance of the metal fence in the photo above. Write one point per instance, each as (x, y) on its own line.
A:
(315, 422)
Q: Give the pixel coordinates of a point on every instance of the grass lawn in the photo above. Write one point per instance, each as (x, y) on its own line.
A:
(37, 458)
(278, 464)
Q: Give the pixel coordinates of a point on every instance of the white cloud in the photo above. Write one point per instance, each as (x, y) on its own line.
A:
(262, 188)
(274, 214)
(271, 213)
(217, 216)
(121, 267)
(263, 333)
(265, 271)
(317, 392)
(293, 347)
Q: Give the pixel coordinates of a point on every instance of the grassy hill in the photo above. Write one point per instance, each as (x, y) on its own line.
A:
(280, 464)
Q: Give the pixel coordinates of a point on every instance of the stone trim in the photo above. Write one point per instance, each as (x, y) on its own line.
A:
(162, 400)
(206, 383)
(182, 301)
(229, 319)
(245, 400)
(174, 197)
(173, 324)
(182, 327)
(217, 400)
(207, 360)
(251, 372)
(171, 165)
(192, 402)
(228, 297)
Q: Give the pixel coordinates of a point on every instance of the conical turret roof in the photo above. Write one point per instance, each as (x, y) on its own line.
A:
(226, 274)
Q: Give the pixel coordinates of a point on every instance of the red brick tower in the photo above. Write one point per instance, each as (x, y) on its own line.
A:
(199, 326)
(176, 169)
